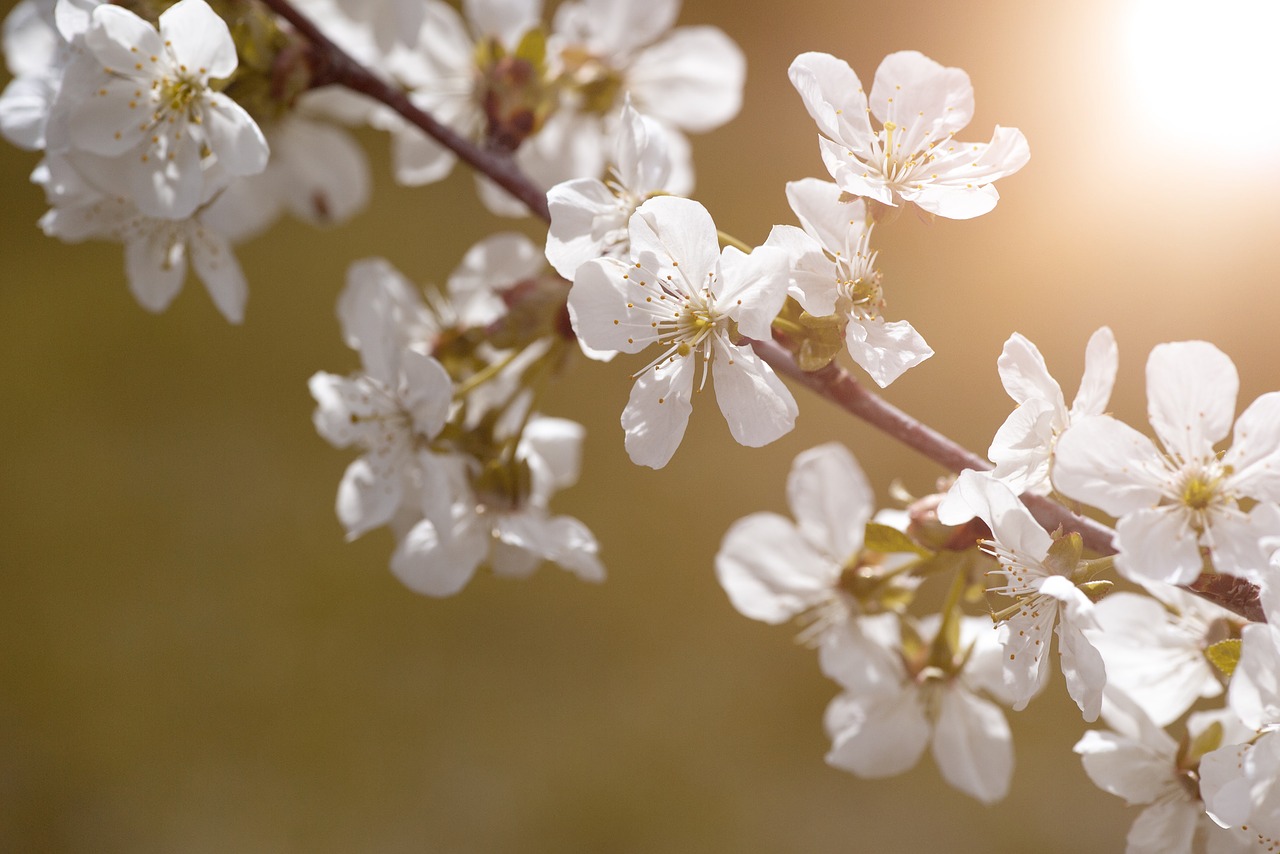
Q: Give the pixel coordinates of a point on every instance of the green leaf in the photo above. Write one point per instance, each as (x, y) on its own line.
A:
(889, 540)
(1224, 655)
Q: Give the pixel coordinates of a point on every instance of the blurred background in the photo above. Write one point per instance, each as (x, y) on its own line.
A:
(195, 660)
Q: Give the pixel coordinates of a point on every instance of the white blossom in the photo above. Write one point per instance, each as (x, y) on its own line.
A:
(1039, 574)
(1179, 497)
(900, 700)
(156, 250)
(1138, 761)
(682, 293)
(914, 156)
(142, 98)
(1022, 449)
(774, 569)
(833, 273)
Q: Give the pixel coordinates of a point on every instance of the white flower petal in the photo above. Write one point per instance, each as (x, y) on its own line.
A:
(1157, 544)
(1191, 396)
(692, 79)
(756, 404)
(972, 745)
(1025, 376)
(770, 572)
(831, 499)
(885, 349)
(199, 38)
(657, 413)
(1106, 463)
(1101, 361)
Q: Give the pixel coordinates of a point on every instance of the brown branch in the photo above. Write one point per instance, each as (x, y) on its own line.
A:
(329, 64)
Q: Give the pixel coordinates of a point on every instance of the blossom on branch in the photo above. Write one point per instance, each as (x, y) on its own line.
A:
(914, 156)
(1042, 575)
(833, 274)
(1181, 500)
(1022, 449)
(682, 293)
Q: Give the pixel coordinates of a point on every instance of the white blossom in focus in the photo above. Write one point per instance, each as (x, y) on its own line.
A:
(898, 700)
(156, 250)
(774, 569)
(833, 272)
(1174, 499)
(682, 293)
(1022, 449)
(914, 156)
(142, 98)
(1039, 574)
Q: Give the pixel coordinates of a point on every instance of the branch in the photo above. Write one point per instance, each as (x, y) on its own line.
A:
(330, 64)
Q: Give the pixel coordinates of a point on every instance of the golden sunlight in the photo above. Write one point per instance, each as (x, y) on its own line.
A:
(1210, 70)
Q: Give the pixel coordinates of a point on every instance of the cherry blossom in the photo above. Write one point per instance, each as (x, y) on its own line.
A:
(901, 697)
(914, 157)
(1041, 575)
(1022, 449)
(1182, 496)
(774, 569)
(142, 96)
(156, 250)
(833, 272)
(588, 216)
(1140, 762)
(684, 294)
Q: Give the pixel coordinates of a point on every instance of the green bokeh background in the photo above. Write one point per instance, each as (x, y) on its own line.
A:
(194, 660)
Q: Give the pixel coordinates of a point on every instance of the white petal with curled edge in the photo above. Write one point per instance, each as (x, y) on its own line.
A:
(691, 79)
(953, 202)
(1011, 523)
(835, 100)
(1106, 463)
(586, 219)
(812, 277)
(666, 229)
(1191, 396)
(756, 404)
(972, 745)
(24, 110)
(234, 136)
(216, 265)
(831, 500)
(562, 540)
(852, 175)
(418, 159)
(114, 30)
(1242, 545)
(1082, 666)
(826, 218)
(911, 89)
(1255, 684)
(1024, 374)
(1157, 544)
(557, 444)
(877, 737)
(1101, 361)
(640, 152)
(657, 413)
(601, 310)
(769, 571)
(1255, 449)
(199, 38)
(156, 267)
(752, 288)
(885, 349)
(1021, 447)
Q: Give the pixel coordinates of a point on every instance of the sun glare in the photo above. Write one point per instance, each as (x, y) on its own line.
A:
(1210, 70)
